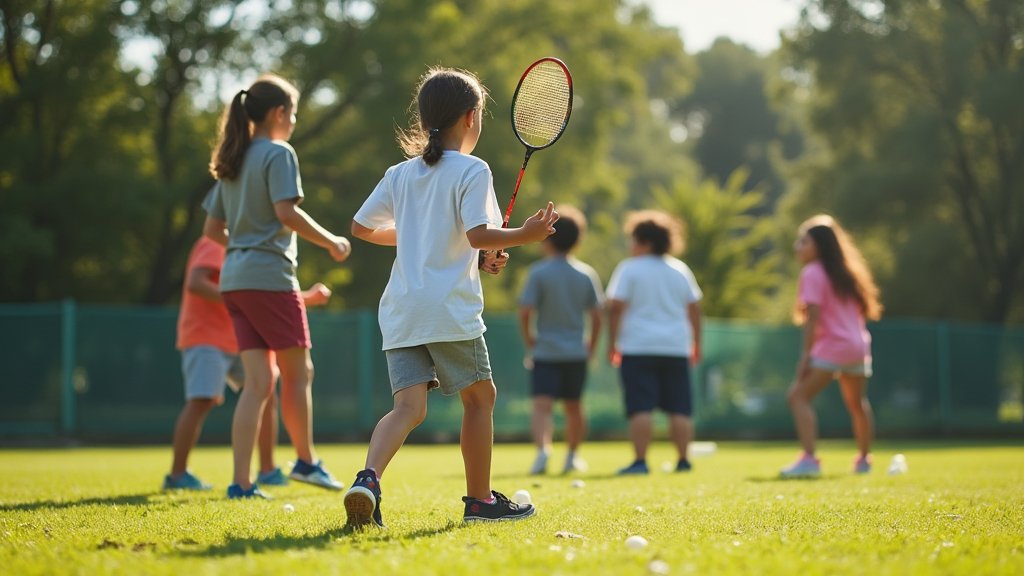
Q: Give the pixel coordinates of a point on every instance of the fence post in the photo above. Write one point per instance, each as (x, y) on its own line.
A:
(67, 356)
(366, 326)
(945, 378)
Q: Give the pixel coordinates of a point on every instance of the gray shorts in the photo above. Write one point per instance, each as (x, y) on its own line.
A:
(450, 366)
(207, 369)
(851, 369)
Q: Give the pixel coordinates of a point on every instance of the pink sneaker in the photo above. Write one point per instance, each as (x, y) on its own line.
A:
(862, 465)
(806, 467)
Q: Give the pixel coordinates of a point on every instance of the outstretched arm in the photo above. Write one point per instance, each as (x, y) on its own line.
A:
(289, 214)
(534, 229)
(381, 236)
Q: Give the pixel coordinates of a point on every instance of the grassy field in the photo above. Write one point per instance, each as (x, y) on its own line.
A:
(959, 510)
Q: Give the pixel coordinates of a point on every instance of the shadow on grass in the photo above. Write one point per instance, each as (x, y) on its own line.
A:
(239, 546)
(779, 479)
(123, 500)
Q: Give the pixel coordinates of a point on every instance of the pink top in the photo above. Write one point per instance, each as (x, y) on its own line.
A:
(840, 335)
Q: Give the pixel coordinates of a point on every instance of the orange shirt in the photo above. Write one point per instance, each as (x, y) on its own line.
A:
(201, 321)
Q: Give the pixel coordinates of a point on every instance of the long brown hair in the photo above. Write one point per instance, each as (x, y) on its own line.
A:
(843, 263)
(248, 106)
(442, 97)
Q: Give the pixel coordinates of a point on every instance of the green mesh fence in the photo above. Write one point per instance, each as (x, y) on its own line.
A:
(112, 373)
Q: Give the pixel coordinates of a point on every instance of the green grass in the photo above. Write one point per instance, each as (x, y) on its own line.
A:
(959, 510)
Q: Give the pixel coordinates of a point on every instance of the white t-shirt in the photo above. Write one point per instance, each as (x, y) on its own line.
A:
(434, 293)
(657, 291)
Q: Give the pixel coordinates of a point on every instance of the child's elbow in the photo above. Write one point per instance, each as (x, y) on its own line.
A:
(360, 231)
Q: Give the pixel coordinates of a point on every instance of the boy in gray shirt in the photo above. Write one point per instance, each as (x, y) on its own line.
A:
(560, 293)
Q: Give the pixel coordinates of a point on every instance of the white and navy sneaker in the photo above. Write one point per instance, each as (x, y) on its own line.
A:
(362, 501)
(314, 474)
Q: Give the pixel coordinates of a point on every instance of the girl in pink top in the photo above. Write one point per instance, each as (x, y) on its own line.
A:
(836, 295)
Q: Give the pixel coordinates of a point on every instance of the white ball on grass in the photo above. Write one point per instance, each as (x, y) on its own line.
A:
(636, 542)
(522, 497)
(289, 508)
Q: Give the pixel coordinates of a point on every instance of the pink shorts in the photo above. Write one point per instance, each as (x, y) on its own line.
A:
(266, 320)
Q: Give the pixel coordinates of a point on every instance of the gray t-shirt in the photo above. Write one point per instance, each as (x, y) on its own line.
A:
(561, 290)
(262, 253)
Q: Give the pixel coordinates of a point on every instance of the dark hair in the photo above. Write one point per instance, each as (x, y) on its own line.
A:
(252, 105)
(442, 97)
(843, 263)
(570, 226)
(662, 232)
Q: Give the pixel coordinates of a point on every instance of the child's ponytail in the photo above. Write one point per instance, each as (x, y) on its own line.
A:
(248, 106)
(443, 96)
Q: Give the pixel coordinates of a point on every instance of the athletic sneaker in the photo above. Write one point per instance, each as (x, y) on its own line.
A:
(574, 463)
(235, 492)
(502, 509)
(683, 466)
(185, 482)
(806, 467)
(540, 464)
(273, 478)
(637, 467)
(314, 474)
(862, 465)
(362, 501)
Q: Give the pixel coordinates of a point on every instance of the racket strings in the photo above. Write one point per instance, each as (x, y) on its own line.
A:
(542, 104)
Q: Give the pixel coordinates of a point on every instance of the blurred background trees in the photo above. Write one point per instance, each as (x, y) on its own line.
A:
(902, 118)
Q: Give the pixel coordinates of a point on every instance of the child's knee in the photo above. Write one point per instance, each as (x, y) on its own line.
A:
(479, 395)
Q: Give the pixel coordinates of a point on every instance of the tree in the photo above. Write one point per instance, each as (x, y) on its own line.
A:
(917, 105)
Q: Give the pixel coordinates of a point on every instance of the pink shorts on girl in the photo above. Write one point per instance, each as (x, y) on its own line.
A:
(266, 320)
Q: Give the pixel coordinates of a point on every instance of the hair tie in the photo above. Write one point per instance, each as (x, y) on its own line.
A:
(435, 131)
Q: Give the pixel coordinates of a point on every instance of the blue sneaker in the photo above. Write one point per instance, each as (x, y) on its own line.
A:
(314, 474)
(637, 467)
(683, 466)
(362, 501)
(273, 478)
(235, 492)
(806, 467)
(185, 482)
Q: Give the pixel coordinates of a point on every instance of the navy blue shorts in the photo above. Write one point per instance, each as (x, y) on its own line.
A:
(562, 379)
(650, 382)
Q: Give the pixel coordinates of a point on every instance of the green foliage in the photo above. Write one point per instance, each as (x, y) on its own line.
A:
(918, 107)
(958, 510)
(727, 247)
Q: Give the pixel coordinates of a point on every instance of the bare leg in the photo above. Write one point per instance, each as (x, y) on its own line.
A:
(640, 432)
(540, 423)
(478, 436)
(297, 399)
(854, 395)
(268, 434)
(681, 430)
(187, 430)
(392, 430)
(575, 424)
(248, 412)
(800, 396)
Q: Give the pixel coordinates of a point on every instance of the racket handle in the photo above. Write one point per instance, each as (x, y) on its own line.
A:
(515, 192)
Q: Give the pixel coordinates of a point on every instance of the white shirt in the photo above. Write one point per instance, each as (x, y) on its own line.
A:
(434, 293)
(657, 291)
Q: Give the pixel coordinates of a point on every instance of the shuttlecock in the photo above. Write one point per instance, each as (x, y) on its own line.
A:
(898, 465)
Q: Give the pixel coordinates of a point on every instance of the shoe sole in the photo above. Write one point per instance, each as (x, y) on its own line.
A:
(785, 475)
(359, 506)
(468, 519)
(304, 479)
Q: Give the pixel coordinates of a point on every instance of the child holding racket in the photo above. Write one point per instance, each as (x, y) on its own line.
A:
(209, 360)
(836, 294)
(438, 208)
(654, 333)
(254, 211)
(560, 294)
